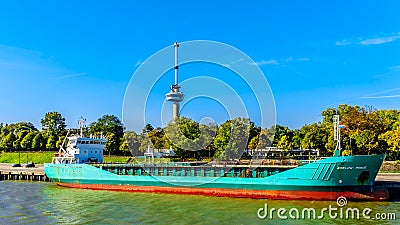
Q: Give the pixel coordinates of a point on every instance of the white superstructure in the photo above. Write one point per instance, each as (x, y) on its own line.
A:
(81, 149)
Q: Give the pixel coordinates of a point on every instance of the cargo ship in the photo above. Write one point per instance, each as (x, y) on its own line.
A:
(81, 165)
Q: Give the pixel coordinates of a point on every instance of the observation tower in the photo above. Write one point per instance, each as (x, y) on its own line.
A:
(175, 95)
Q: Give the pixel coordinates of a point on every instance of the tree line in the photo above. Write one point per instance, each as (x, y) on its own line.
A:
(24, 136)
(367, 131)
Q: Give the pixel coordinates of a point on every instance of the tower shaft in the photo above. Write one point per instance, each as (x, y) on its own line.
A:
(175, 110)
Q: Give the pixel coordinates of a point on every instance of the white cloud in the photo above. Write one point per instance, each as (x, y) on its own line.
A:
(70, 75)
(343, 42)
(379, 40)
(267, 62)
(276, 62)
(290, 59)
(395, 67)
(370, 41)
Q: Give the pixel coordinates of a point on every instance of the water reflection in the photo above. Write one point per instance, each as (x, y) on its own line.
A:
(46, 203)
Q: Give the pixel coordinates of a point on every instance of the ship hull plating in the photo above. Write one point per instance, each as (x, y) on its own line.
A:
(348, 176)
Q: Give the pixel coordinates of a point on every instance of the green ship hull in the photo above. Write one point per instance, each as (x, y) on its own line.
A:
(327, 179)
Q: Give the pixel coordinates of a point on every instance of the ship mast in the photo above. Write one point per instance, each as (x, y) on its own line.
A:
(336, 133)
(81, 124)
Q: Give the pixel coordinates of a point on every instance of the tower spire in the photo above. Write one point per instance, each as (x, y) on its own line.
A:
(175, 95)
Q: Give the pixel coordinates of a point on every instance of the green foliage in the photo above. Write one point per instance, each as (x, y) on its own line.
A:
(26, 143)
(367, 131)
(285, 143)
(53, 124)
(113, 143)
(107, 124)
(253, 143)
(60, 142)
(38, 142)
(20, 136)
(279, 131)
(392, 138)
(367, 141)
(314, 136)
(123, 148)
(8, 141)
(112, 128)
(147, 129)
(231, 140)
(51, 143)
(265, 138)
(188, 138)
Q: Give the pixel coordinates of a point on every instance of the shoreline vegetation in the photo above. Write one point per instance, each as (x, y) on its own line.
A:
(366, 131)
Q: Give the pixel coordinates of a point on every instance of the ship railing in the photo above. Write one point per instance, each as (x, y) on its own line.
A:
(63, 160)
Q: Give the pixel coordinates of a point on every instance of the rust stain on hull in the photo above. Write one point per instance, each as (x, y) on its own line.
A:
(378, 195)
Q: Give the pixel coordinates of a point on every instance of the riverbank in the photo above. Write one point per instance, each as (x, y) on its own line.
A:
(44, 157)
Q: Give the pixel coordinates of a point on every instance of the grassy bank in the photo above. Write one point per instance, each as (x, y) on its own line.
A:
(45, 157)
(36, 157)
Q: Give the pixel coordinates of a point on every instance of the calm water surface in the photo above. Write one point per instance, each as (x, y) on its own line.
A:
(46, 203)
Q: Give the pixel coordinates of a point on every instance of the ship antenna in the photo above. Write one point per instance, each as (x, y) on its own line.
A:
(336, 133)
(81, 123)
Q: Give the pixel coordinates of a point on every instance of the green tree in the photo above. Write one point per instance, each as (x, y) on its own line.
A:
(17, 143)
(265, 139)
(124, 148)
(188, 138)
(60, 142)
(24, 126)
(314, 137)
(147, 129)
(182, 134)
(26, 143)
(254, 133)
(145, 142)
(253, 143)
(8, 141)
(392, 138)
(38, 142)
(285, 143)
(158, 139)
(51, 143)
(133, 140)
(367, 141)
(53, 124)
(296, 139)
(113, 143)
(278, 132)
(109, 124)
(231, 139)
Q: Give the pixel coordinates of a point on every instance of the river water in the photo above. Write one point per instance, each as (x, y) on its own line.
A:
(46, 203)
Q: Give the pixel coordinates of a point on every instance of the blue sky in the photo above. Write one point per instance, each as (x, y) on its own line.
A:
(77, 57)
